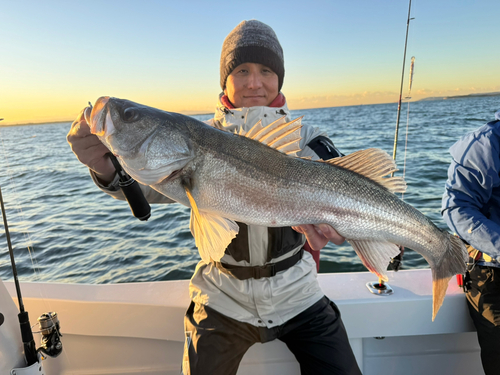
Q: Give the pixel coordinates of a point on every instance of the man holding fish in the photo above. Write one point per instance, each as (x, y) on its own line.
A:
(263, 285)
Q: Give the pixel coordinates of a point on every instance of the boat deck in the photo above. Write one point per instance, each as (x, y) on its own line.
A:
(138, 328)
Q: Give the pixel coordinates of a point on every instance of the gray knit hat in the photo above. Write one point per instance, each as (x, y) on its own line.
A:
(251, 42)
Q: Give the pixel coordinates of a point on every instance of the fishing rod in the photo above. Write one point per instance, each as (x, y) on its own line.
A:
(24, 321)
(382, 288)
(408, 97)
(401, 87)
(396, 261)
(130, 188)
(51, 344)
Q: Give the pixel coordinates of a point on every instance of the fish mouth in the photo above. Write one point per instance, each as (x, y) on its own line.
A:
(98, 117)
(133, 153)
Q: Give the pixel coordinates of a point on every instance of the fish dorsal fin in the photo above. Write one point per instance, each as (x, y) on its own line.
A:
(212, 233)
(374, 164)
(254, 130)
(280, 135)
(375, 255)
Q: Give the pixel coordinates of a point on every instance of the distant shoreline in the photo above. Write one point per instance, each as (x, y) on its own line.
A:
(36, 123)
(461, 96)
(299, 109)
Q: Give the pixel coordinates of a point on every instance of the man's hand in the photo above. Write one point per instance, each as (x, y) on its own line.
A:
(318, 236)
(89, 150)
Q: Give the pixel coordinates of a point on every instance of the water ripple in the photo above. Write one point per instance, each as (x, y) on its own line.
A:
(78, 234)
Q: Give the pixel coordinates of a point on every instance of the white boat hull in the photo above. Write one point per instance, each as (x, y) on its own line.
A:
(11, 345)
(138, 328)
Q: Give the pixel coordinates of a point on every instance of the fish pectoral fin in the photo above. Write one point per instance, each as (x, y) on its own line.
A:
(375, 255)
(374, 164)
(212, 233)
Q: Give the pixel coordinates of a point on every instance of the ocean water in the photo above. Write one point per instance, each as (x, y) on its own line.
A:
(64, 229)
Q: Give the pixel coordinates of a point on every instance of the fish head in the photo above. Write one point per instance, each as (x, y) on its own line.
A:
(149, 143)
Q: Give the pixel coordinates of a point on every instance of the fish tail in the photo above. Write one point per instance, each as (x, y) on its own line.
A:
(453, 262)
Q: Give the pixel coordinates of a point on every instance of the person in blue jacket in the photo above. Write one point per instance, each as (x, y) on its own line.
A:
(471, 208)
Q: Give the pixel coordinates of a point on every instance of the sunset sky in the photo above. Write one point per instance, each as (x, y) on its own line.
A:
(58, 55)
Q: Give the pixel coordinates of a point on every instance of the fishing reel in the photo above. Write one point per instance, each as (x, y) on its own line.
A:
(397, 261)
(51, 344)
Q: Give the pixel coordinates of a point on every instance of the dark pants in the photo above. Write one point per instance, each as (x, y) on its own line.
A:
(215, 343)
(483, 300)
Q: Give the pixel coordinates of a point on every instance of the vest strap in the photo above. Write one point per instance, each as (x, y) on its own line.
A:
(258, 272)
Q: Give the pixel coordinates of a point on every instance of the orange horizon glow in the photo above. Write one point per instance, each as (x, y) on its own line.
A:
(63, 111)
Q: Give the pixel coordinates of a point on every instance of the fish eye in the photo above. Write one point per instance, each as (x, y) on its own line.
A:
(130, 114)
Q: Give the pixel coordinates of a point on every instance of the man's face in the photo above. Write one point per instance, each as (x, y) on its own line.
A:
(251, 85)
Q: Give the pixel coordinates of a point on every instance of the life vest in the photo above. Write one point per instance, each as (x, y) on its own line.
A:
(314, 143)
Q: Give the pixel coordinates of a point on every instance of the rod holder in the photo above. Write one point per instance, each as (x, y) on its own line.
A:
(380, 289)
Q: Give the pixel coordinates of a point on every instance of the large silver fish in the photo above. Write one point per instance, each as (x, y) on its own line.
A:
(227, 177)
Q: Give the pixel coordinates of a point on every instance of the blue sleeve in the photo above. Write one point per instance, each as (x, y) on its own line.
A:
(472, 176)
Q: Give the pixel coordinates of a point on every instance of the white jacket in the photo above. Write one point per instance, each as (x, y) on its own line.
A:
(265, 302)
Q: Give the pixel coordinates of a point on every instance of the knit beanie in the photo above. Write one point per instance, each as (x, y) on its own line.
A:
(251, 42)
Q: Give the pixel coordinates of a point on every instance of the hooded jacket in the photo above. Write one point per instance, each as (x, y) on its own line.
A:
(471, 202)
